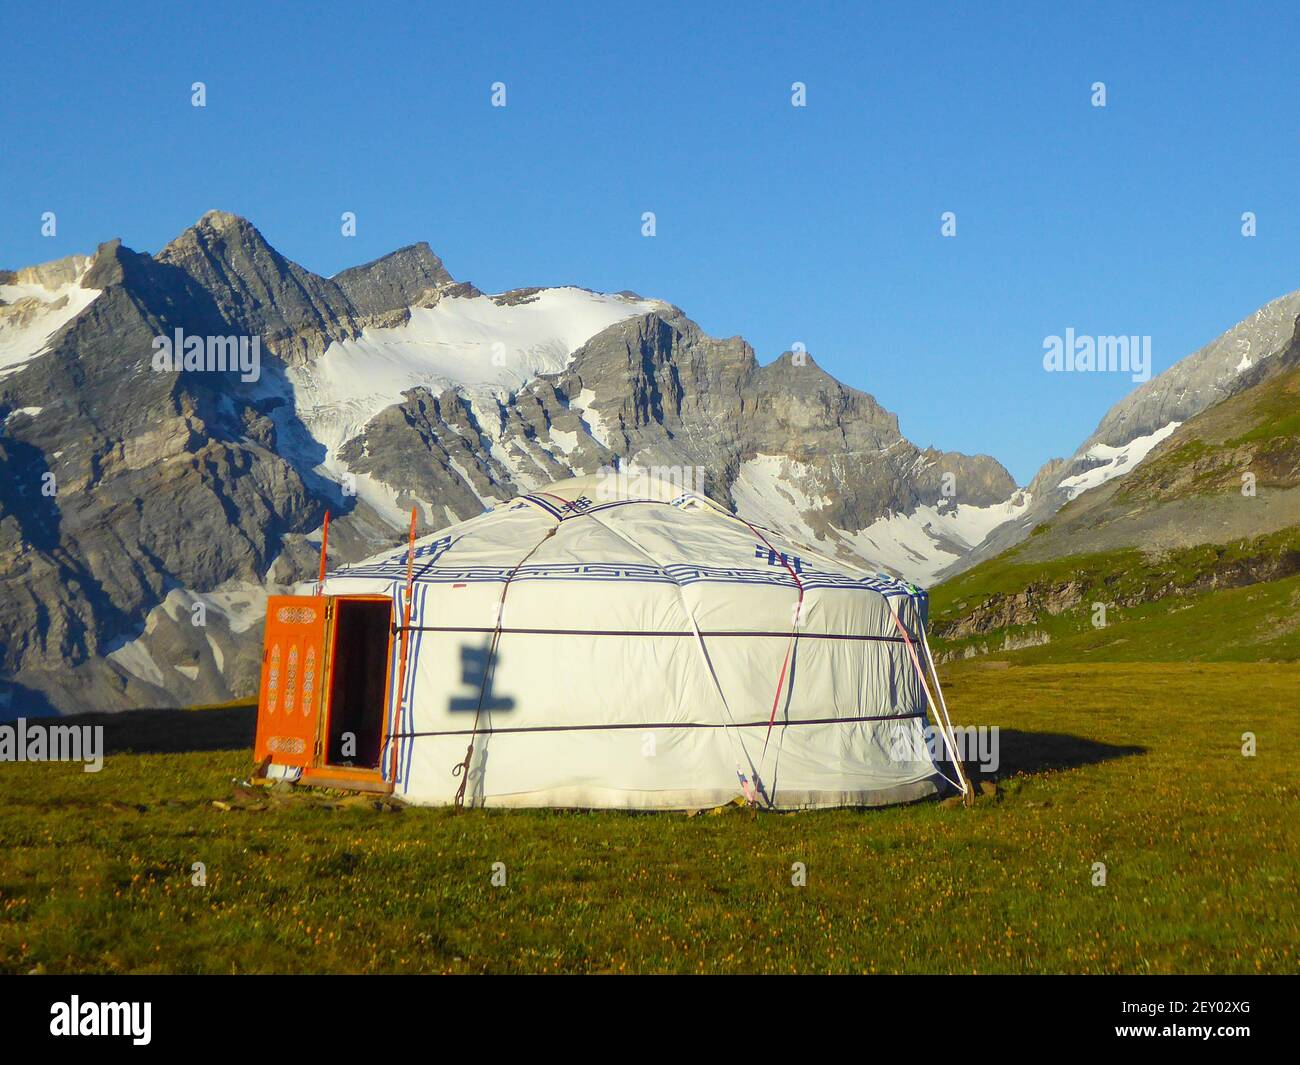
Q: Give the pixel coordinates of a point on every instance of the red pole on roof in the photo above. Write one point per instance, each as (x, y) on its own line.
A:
(324, 550)
(410, 560)
(406, 636)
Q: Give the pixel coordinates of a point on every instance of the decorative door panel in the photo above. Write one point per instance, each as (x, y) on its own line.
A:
(293, 679)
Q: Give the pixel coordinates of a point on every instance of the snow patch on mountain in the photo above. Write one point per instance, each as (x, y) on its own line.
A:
(917, 546)
(970, 525)
(32, 312)
(134, 657)
(589, 417)
(472, 341)
(565, 441)
(782, 494)
(381, 497)
(486, 346)
(241, 604)
(488, 501)
(778, 492)
(29, 412)
(1114, 461)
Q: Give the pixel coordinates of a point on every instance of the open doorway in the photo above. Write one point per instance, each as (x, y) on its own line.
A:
(358, 682)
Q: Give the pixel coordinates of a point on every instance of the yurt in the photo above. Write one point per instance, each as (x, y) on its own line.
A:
(612, 641)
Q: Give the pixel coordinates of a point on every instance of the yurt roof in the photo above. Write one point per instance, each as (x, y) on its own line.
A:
(590, 495)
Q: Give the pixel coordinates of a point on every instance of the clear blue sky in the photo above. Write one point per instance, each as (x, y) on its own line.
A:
(818, 225)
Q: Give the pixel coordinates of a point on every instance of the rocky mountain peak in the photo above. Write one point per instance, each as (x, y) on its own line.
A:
(219, 220)
(1205, 377)
(222, 242)
(412, 276)
(112, 264)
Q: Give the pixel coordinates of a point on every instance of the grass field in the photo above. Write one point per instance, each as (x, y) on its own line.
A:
(1137, 766)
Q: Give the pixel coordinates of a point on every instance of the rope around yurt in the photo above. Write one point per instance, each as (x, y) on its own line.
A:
(794, 630)
(962, 784)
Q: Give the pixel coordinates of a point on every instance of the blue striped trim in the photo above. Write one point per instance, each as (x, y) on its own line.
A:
(405, 759)
(619, 503)
(676, 574)
(550, 508)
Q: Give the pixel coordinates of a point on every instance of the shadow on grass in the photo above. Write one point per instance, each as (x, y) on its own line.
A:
(174, 731)
(233, 728)
(1041, 752)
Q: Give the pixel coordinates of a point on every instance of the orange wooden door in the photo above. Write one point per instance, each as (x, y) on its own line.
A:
(294, 669)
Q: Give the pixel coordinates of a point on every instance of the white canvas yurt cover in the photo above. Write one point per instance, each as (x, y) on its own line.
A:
(607, 642)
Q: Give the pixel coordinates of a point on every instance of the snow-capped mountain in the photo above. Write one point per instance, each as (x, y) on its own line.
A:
(145, 514)
(35, 303)
(1137, 425)
(1170, 547)
(485, 348)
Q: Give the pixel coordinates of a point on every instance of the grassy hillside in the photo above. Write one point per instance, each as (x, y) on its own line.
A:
(1193, 554)
(1098, 765)
(1213, 602)
(1256, 431)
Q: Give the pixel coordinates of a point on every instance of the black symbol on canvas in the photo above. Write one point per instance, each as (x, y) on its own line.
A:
(778, 558)
(474, 674)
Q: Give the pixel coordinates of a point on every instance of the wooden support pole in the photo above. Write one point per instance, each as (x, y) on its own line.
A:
(324, 552)
(405, 641)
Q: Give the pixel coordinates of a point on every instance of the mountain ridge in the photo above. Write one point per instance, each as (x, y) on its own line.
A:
(1214, 509)
(392, 384)
(1226, 365)
(184, 498)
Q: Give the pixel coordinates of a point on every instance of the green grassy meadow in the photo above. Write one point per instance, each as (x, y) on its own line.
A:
(1135, 765)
